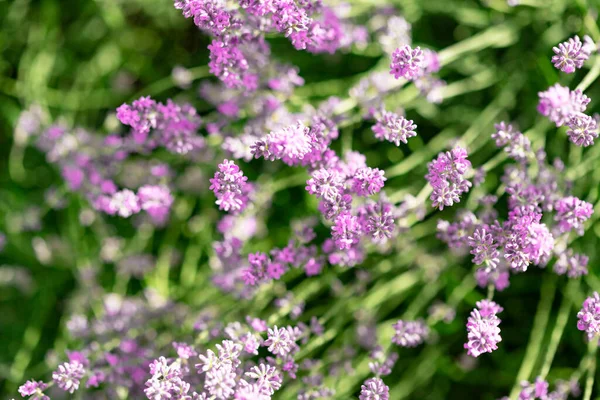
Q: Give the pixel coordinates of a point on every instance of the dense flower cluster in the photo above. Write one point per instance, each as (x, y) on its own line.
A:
(410, 333)
(540, 389)
(589, 316)
(569, 55)
(483, 333)
(447, 177)
(407, 63)
(393, 127)
(230, 187)
(239, 52)
(155, 124)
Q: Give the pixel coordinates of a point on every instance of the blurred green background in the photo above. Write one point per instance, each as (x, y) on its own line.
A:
(80, 59)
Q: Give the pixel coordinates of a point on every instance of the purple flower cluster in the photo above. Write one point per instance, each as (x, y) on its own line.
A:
(540, 389)
(571, 213)
(483, 333)
(239, 52)
(410, 333)
(230, 187)
(447, 177)
(374, 389)
(516, 145)
(393, 127)
(565, 107)
(573, 265)
(92, 164)
(560, 104)
(407, 63)
(589, 316)
(154, 124)
(569, 55)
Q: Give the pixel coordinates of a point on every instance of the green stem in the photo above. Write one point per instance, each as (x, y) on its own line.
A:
(591, 75)
(537, 333)
(591, 374)
(559, 327)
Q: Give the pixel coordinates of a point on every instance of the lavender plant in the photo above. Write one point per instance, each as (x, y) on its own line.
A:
(249, 230)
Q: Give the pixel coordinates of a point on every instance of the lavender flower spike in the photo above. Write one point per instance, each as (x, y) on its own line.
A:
(483, 333)
(569, 55)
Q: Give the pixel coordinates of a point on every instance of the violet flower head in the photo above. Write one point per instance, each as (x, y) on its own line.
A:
(583, 129)
(559, 104)
(394, 128)
(407, 62)
(33, 388)
(172, 125)
(446, 176)
(267, 377)
(346, 231)
(410, 333)
(290, 143)
(368, 181)
(569, 55)
(483, 333)
(535, 390)
(571, 213)
(504, 133)
(484, 248)
(279, 341)
(574, 265)
(156, 200)
(67, 376)
(325, 184)
(589, 316)
(208, 15)
(380, 219)
(125, 203)
(374, 389)
(229, 186)
(514, 142)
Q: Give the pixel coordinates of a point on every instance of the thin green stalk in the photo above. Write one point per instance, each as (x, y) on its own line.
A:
(537, 333)
(559, 327)
(591, 373)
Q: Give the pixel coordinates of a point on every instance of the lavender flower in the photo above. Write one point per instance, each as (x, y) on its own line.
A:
(574, 265)
(589, 316)
(394, 128)
(291, 144)
(34, 389)
(407, 62)
(278, 341)
(571, 213)
(537, 390)
(560, 104)
(569, 55)
(368, 181)
(374, 389)
(67, 376)
(125, 203)
(266, 377)
(483, 333)
(484, 248)
(446, 176)
(156, 201)
(346, 230)
(229, 186)
(410, 333)
(583, 129)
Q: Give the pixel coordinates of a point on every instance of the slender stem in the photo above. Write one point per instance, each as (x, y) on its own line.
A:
(591, 75)
(559, 327)
(591, 374)
(537, 333)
